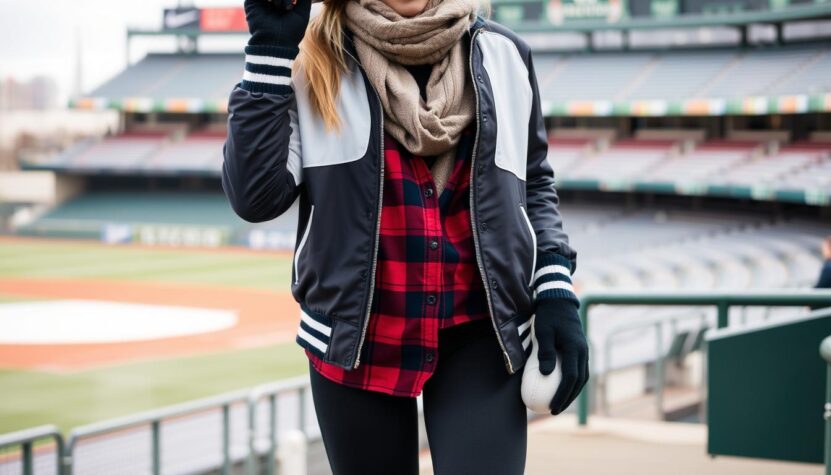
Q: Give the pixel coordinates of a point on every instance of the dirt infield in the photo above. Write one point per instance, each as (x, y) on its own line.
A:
(264, 317)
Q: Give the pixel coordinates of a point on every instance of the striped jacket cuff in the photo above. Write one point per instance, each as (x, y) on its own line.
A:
(552, 279)
(268, 68)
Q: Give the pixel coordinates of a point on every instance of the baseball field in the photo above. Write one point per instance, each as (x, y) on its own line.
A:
(90, 331)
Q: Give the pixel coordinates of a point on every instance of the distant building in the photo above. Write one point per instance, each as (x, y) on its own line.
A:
(38, 93)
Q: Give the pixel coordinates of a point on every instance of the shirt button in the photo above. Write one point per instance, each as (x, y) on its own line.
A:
(493, 283)
(481, 169)
(434, 245)
(431, 299)
(428, 192)
(484, 225)
(429, 356)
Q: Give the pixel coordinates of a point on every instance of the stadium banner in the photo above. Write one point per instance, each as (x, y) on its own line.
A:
(212, 20)
(559, 12)
(182, 18)
(165, 234)
(223, 19)
(812, 197)
(180, 235)
(271, 239)
(147, 104)
(664, 8)
(116, 233)
(753, 105)
(756, 105)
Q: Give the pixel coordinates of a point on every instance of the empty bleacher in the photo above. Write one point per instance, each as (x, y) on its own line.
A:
(570, 76)
(144, 152)
(122, 152)
(654, 249)
(740, 163)
(175, 76)
(679, 75)
(626, 160)
(198, 152)
(768, 169)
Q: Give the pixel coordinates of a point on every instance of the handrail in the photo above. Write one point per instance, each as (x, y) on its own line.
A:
(271, 391)
(658, 324)
(154, 418)
(722, 300)
(26, 438)
(825, 351)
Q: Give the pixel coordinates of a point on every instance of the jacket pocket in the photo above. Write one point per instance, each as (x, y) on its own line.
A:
(302, 244)
(533, 244)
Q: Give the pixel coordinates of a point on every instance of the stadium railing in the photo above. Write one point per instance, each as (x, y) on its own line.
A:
(25, 439)
(825, 351)
(722, 301)
(155, 419)
(270, 392)
(678, 348)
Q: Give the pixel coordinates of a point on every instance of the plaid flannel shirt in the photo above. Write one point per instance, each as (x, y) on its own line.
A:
(427, 276)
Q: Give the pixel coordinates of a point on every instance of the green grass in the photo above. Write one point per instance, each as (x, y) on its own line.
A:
(69, 260)
(16, 298)
(31, 398)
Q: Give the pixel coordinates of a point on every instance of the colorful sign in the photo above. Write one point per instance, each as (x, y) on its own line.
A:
(562, 11)
(223, 19)
(230, 19)
(183, 18)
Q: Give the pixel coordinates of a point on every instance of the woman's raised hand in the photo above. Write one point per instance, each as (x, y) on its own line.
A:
(277, 22)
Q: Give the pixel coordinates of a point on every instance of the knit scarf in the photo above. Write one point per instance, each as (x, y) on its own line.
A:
(385, 41)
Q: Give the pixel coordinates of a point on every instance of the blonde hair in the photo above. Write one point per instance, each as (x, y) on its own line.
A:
(323, 59)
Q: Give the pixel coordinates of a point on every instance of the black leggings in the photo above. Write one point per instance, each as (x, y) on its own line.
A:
(474, 415)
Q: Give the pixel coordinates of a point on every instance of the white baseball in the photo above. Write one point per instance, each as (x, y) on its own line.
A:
(538, 389)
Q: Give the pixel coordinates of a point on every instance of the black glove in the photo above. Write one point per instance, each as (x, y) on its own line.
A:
(276, 27)
(277, 22)
(558, 330)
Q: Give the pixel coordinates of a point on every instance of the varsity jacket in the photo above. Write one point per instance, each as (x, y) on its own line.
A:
(278, 150)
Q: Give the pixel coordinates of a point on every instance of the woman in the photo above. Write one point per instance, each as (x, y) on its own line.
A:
(428, 233)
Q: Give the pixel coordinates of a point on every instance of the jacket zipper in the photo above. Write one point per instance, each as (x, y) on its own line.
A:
(475, 229)
(302, 244)
(377, 224)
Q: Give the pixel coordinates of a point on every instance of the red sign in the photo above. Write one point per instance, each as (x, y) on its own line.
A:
(223, 19)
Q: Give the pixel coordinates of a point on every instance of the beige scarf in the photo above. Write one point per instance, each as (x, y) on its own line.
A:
(385, 40)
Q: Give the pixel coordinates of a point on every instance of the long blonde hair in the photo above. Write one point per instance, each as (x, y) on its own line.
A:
(323, 59)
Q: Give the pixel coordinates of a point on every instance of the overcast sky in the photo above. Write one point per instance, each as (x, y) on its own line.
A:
(38, 36)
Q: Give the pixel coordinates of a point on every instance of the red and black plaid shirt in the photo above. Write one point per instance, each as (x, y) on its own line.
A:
(426, 278)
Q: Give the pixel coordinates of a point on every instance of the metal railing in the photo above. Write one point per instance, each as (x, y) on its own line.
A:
(825, 351)
(66, 449)
(25, 439)
(270, 392)
(660, 355)
(155, 419)
(722, 301)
